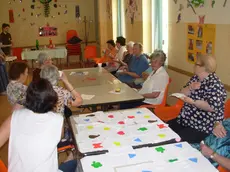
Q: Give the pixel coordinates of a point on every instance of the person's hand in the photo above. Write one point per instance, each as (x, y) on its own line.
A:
(64, 78)
(145, 75)
(194, 86)
(219, 131)
(188, 100)
(205, 150)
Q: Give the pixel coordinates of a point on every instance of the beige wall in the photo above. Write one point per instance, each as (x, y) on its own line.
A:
(177, 40)
(25, 35)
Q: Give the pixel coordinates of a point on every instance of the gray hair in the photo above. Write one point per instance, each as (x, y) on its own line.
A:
(42, 57)
(50, 72)
(130, 44)
(159, 54)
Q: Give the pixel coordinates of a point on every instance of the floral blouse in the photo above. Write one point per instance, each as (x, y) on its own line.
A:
(16, 93)
(211, 91)
(64, 98)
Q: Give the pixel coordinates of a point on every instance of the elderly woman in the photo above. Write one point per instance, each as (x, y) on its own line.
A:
(128, 54)
(136, 66)
(43, 59)
(34, 132)
(3, 74)
(16, 90)
(154, 86)
(66, 97)
(204, 102)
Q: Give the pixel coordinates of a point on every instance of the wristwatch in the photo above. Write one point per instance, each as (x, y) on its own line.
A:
(212, 156)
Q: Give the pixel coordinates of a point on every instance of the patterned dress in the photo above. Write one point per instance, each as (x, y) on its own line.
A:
(16, 93)
(211, 91)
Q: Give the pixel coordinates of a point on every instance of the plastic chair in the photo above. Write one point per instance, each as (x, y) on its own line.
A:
(73, 49)
(90, 53)
(227, 109)
(2, 167)
(17, 52)
(163, 103)
(168, 113)
(221, 169)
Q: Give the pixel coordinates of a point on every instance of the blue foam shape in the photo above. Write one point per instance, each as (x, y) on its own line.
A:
(132, 155)
(139, 112)
(87, 120)
(193, 160)
(179, 145)
(146, 171)
(137, 140)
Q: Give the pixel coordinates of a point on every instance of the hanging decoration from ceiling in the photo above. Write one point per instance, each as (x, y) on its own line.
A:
(190, 5)
(131, 10)
(213, 3)
(11, 16)
(197, 3)
(46, 4)
(175, 1)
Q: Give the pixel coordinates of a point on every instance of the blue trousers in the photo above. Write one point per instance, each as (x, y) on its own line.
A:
(3, 77)
(69, 166)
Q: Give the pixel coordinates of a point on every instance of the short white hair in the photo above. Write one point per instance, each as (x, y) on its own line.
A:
(130, 44)
(50, 72)
(42, 57)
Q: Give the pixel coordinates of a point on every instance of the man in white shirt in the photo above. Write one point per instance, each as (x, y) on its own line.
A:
(154, 87)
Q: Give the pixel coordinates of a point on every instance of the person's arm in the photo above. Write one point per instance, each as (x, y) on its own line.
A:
(151, 95)
(208, 152)
(77, 97)
(5, 131)
(201, 104)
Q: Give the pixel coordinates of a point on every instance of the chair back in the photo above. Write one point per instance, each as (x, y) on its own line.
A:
(164, 101)
(227, 109)
(2, 167)
(70, 34)
(17, 52)
(90, 51)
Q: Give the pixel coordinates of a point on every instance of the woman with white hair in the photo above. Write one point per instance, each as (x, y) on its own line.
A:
(204, 102)
(43, 59)
(128, 54)
(66, 97)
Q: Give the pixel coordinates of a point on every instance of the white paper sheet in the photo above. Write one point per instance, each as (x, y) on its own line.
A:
(87, 97)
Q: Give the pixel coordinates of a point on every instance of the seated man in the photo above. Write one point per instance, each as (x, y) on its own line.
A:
(156, 83)
(216, 146)
(136, 66)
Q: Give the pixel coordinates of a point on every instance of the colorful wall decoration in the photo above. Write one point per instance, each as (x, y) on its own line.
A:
(200, 40)
(131, 10)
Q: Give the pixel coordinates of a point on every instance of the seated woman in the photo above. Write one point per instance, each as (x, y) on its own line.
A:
(43, 59)
(3, 74)
(110, 53)
(154, 86)
(216, 145)
(116, 61)
(136, 66)
(16, 90)
(204, 102)
(34, 132)
(127, 55)
(66, 97)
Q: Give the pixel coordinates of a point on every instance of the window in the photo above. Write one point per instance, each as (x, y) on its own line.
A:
(120, 18)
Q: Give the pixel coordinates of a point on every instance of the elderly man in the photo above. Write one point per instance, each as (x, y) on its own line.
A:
(137, 65)
(43, 59)
(156, 83)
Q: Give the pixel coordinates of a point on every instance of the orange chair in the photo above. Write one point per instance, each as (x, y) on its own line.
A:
(170, 112)
(221, 169)
(2, 167)
(17, 52)
(90, 53)
(163, 104)
(73, 49)
(227, 109)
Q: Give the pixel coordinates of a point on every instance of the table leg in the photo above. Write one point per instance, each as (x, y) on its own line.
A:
(32, 63)
(94, 108)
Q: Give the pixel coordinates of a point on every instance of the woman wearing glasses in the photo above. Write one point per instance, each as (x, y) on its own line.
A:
(204, 102)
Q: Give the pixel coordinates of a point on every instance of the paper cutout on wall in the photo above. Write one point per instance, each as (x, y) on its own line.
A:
(198, 3)
(201, 19)
(32, 24)
(11, 16)
(178, 18)
(23, 10)
(65, 12)
(181, 7)
(96, 164)
(109, 8)
(189, 5)
(131, 10)
(55, 6)
(225, 2)
(77, 12)
(213, 3)
(175, 1)
(32, 6)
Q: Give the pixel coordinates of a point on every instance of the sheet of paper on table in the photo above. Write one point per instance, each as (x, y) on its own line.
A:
(177, 157)
(87, 97)
(115, 130)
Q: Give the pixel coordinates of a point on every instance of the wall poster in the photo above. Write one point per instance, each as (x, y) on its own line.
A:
(200, 40)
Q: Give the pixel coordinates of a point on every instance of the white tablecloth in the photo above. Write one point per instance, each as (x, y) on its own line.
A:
(179, 157)
(57, 53)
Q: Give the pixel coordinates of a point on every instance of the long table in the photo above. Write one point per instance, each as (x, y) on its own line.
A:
(102, 85)
(102, 132)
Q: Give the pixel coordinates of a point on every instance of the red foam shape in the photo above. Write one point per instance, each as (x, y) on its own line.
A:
(110, 116)
(161, 126)
(121, 133)
(97, 145)
(121, 122)
(131, 117)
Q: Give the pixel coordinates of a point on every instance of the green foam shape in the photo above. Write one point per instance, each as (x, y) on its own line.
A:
(173, 160)
(142, 129)
(160, 149)
(96, 164)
